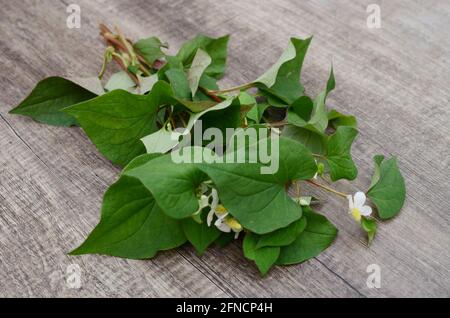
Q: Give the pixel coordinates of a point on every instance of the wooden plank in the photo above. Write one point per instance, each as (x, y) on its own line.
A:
(51, 191)
(394, 79)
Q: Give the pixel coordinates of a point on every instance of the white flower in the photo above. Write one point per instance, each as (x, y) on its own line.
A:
(224, 222)
(356, 206)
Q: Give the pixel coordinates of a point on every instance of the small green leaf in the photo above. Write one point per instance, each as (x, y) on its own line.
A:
(337, 119)
(247, 102)
(283, 237)
(115, 122)
(317, 237)
(216, 49)
(49, 97)
(319, 117)
(201, 236)
(370, 226)
(172, 62)
(283, 78)
(133, 69)
(389, 192)
(179, 81)
(150, 49)
(257, 111)
(132, 225)
(310, 115)
(339, 154)
(200, 63)
(264, 257)
(120, 80)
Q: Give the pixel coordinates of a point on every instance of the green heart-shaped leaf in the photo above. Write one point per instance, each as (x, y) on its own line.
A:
(49, 97)
(283, 237)
(283, 78)
(132, 224)
(370, 227)
(305, 113)
(388, 192)
(172, 185)
(150, 49)
(216, 49)
(200, 235)
(259, 201)
(337, 119)
(264, 257)
(116, 122)
(339, 154)
(317, 237)
(180, 84)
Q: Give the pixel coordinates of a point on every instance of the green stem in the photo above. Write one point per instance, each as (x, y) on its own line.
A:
(128, 46)
(236, 88)
(211, 94)
(106, 59)
(327, 188)
(144, 70)
(122, 59)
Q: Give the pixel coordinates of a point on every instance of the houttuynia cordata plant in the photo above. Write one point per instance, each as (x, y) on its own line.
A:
(207, 165)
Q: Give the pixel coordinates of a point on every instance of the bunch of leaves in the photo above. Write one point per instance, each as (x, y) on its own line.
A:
(158, 204)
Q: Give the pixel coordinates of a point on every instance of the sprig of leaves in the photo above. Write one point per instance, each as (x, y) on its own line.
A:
(158, 204)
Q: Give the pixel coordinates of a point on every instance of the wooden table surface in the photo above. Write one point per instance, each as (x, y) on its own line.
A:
(395, 79)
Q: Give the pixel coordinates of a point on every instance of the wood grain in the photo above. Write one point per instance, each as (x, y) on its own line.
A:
(395, 80)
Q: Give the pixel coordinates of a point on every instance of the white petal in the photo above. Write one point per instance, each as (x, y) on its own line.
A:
(236, 236)
(204, 202)
(351, 205)
(215, 199)
(210, 217)
(222, 226)
(365, 210)
(221, 216)
(360, 199)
